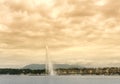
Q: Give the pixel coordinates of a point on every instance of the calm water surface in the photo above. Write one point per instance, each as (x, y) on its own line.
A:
(59, 79)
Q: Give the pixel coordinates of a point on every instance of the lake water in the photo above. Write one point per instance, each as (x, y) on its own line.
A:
(7, 79)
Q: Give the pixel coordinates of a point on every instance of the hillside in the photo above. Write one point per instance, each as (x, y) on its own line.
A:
(56, 66)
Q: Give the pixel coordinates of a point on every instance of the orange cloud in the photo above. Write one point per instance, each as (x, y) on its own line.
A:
(65, 24)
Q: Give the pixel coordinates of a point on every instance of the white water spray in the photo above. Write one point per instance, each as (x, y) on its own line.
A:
(49, 65)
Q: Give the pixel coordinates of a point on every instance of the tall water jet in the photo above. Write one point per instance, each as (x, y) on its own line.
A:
(49, 65)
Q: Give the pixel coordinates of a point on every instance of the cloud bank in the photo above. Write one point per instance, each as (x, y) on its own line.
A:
(68, 26)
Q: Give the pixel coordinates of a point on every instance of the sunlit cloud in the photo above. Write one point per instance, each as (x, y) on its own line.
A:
(100, 2)
(77, 26)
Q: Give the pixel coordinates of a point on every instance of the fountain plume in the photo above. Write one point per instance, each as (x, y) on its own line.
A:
(49, 65)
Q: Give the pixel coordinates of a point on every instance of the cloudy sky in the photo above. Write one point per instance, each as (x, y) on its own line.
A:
(85, 32)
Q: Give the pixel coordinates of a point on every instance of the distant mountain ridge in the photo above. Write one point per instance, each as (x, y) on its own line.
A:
(55, 66)
(34, 66)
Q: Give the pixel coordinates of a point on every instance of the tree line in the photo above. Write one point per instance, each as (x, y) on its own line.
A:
(90, 71)
(22, 71)
(62, 71)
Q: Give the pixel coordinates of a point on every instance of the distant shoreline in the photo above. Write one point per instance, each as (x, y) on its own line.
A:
(107, 71)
